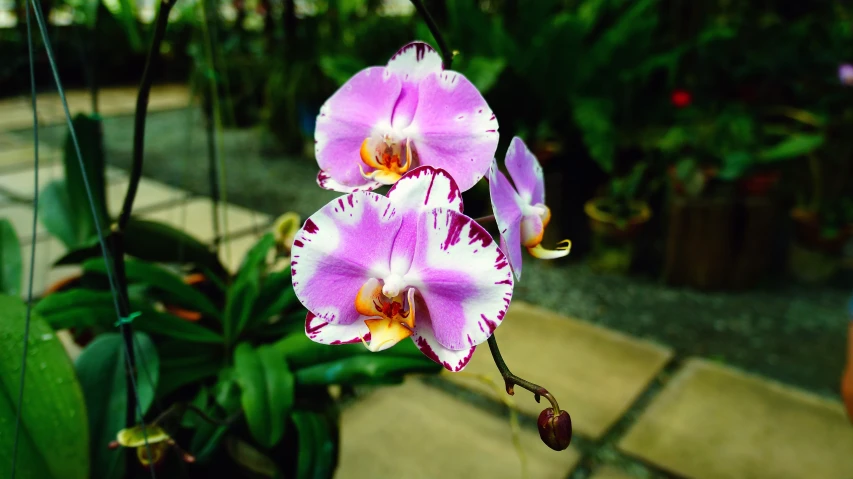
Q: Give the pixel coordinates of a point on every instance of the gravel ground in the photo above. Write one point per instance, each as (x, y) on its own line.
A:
(785, 331)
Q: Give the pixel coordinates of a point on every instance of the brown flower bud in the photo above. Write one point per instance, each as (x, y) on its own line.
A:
(555, 431)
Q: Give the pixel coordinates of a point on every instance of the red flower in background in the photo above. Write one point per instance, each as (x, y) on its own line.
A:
(681, 98)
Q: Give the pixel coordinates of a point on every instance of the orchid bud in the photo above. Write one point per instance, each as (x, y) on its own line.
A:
(555, 431)
(286, 227)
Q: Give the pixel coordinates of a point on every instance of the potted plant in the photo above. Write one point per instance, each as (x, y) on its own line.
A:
(721, 212)
(616, 218)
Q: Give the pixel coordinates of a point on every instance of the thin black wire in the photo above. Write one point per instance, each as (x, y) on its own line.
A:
(36, 4)
(32, 247)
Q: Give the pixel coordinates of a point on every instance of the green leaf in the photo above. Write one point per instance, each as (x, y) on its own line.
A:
(57, 216)
(340, 68)
(794, 146)
(316, 446)
(54, 438)
(266, 386)
(85, 308)
(483, 72)
(364, 369)
(156, 277)
(101, 369)
(89, 131)
(10, 260)
(245, 290)
(301, 352)
(276, 295)
(160, 243)
(593, 117)
(735, 165)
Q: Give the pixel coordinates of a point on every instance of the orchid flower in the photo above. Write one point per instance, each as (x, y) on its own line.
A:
(520, 211)
(385, 121)
(378, 269)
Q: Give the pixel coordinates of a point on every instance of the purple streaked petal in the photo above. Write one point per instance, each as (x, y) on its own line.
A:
(363, 105)
(463, 277)
(507, 215)
(453, 128)
(425, 188)
(339, 248)
(412, 63)
(328, 183)
(526, 172)
(424, 338)
(323, 332)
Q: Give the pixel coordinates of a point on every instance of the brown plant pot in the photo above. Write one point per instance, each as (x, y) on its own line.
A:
(608, 226)
(718, 243)
(807, 230)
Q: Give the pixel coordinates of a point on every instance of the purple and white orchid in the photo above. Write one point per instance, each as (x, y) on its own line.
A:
(384, 121)
(520, 211)
(378, 269)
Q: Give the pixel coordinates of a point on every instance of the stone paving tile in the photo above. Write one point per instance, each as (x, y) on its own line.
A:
(436, 435)
(149, 195)
(196, 217)
(714, 422)
(21, 155)
(595, 374)
(17, 111)
(47, 251)
(610, 472)
(21, 217)
(20, 183)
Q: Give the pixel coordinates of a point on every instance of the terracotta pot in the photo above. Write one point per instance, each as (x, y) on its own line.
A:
(605, 224)
(759, 184)
(807, 232)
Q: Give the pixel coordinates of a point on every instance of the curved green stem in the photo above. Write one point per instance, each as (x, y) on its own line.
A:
(446, 54)
(511, 380)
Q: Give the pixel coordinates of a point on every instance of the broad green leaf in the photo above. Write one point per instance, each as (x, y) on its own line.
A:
(245, 290)
(484, 72)
(317, 448)
(364, 369)
(86, 308)
(593, 118)
(90, 138)
(180, 365)
(340, 68)
(794, 146)
(160, 243)
(266, 386)
(101, 369)
(10, 260)
(56, 214)
(735, 164)
(54, 438)
(180, 293)
(276, 295)
(300, 352)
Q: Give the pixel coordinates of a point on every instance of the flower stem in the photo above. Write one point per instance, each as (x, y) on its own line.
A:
(117, 244)
(511, 380)
(485, 219)
(446, 54)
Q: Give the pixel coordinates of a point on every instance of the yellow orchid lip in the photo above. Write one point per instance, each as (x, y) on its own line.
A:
(384, 157)
(388, 320)
(563, 248)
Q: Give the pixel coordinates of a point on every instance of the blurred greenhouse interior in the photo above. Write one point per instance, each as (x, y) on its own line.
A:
(193, 285)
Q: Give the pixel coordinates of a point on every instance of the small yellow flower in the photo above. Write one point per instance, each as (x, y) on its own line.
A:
(153, 439)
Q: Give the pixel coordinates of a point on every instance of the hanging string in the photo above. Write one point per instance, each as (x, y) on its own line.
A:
(20, 404)
(36, 6)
